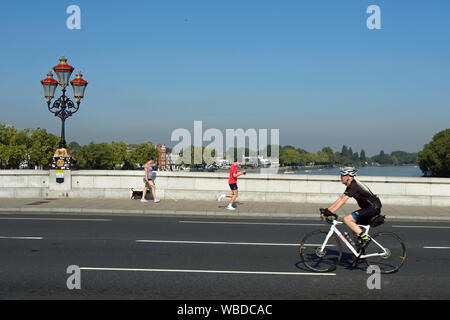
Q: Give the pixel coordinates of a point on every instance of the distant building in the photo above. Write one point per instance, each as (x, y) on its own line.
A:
(163, 159)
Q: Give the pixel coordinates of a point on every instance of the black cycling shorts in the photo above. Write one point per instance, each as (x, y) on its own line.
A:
(364, 215)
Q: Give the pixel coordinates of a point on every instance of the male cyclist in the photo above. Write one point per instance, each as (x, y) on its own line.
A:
(370, 205)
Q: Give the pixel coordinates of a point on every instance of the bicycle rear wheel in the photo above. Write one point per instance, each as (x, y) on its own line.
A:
(392, 248)
(316, 259)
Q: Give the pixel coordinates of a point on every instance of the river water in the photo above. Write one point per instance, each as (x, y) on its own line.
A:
(393, 171)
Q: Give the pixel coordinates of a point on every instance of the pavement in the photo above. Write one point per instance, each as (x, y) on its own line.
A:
(208, 208)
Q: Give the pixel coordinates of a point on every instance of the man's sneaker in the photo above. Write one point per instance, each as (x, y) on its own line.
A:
(220, 198)
(156, 200)
(363, 241)
(143, 200)
(230, 207)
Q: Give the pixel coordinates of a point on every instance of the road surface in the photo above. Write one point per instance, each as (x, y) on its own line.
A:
(184, 258)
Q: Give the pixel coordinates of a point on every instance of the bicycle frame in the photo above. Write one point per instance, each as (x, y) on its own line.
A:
(335, 230)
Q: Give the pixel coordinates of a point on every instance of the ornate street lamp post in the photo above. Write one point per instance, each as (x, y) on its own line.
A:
(63, 107)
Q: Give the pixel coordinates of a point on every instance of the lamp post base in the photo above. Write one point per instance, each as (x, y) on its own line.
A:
(62, 152)
(61, 160)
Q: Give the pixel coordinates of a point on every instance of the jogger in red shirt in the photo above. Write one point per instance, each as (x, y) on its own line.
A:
(232, 181)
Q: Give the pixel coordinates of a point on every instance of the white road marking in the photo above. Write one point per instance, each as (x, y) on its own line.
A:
(436, 247)
(209, 271)
(221, 242)
(232, 243)
(56, 219)
(422, 227)
(22, 238)
(254, 223)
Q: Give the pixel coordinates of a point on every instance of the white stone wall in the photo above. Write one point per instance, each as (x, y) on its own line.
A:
(206, 186)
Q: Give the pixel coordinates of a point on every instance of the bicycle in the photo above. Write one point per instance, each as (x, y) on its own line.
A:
(321, 251)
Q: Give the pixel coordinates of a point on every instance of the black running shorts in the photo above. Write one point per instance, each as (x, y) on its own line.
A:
(233, 186)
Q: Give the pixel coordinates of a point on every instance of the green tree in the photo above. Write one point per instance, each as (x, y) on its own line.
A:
(434, 159)
(338, 157)
(74, 146)
(330, 155)
(350, 152)
(346, 155)
(95, 156)
(355, 159)
(11, 156)
(13, 147)
(306, 157)
(382, 158)
(405, 157)
(320, 157)
(140, 154)
(42, 148)
(362, 157)
(395, 161)
(290, 157)
(207, 155)
(324, 156)
(119, 151)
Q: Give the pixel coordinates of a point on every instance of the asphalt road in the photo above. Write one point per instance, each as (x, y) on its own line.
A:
(183, 258)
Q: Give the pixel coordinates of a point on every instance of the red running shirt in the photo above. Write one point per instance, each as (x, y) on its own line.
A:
(232, 179)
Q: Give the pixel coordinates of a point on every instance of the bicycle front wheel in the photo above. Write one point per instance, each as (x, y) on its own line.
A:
(390, 252)
(316, 259)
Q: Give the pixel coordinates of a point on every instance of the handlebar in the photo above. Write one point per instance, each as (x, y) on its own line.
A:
(328, 217)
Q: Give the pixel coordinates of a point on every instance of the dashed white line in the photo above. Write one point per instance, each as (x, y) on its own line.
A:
(253, 223)
(57, 219)
(231, 243)
(436, 247)
(422, 227)
(209, 271)
(21, 238)
(220, 243)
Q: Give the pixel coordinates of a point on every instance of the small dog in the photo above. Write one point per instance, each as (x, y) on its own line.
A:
(136, 194)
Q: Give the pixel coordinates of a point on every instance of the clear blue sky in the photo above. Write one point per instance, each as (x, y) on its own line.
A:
(309, 68)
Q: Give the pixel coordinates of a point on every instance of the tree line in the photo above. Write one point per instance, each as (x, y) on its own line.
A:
(111, 156)
(35, 147)
(291, 156)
